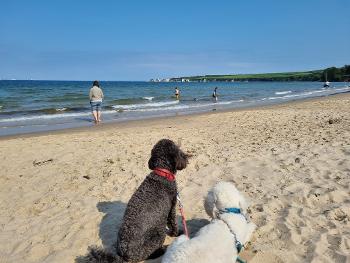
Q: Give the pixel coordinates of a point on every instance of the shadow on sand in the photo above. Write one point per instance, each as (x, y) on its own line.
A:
(110, 223)
(109, 226)
(195, 224)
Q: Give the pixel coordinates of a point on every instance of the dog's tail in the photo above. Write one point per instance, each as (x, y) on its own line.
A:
(98, 255)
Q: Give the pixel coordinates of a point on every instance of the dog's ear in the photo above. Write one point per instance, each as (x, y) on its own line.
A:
(151, 163)
(181, 159)
(210, 205)
(243, 204)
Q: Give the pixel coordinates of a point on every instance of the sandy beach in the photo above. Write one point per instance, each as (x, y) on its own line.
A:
(63, 191)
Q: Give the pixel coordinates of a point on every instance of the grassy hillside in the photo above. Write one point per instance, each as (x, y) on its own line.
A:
(333, 74)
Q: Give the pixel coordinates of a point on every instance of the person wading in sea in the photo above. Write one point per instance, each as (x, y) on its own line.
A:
(177, 93)
(96, 97)
(215, 94)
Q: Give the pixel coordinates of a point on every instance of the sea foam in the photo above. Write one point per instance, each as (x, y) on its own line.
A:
(282, 92)
(145, 105)
(148, 98)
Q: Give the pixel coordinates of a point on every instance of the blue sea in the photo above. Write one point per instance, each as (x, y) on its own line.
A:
(32, 106)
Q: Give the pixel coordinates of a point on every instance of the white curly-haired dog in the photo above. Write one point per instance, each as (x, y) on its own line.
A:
(222, 239)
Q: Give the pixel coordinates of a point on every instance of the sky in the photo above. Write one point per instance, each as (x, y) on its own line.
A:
(140, 40)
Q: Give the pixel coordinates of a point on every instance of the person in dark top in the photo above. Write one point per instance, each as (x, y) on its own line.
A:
(177, 93)
(215, 94)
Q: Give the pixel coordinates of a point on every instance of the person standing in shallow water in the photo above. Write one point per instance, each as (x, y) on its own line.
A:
(96, 97)
(215, 94)
(177, 93)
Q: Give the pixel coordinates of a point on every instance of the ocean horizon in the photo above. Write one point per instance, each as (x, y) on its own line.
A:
(42, 105)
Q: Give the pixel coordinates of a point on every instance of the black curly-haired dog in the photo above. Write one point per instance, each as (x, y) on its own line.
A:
(150, 210)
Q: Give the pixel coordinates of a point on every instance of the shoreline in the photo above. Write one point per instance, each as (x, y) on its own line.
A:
(67, 108)
(156, 120)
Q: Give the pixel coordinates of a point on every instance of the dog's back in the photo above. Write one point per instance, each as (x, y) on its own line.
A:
(146, 217)
(204, 246)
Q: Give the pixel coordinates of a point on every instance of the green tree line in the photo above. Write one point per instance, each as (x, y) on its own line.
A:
(336, 74)
(331, 74)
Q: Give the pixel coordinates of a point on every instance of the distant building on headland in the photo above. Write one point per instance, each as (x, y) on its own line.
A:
(178, 80)
(159, 80)
(155, 80)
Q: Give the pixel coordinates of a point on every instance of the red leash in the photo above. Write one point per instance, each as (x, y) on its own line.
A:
(182, 215)
(171, 177)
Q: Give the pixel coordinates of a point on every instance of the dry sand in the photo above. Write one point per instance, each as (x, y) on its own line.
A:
(65, 191)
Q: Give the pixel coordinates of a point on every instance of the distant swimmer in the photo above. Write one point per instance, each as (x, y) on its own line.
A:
(177, 93)
(215, 94)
